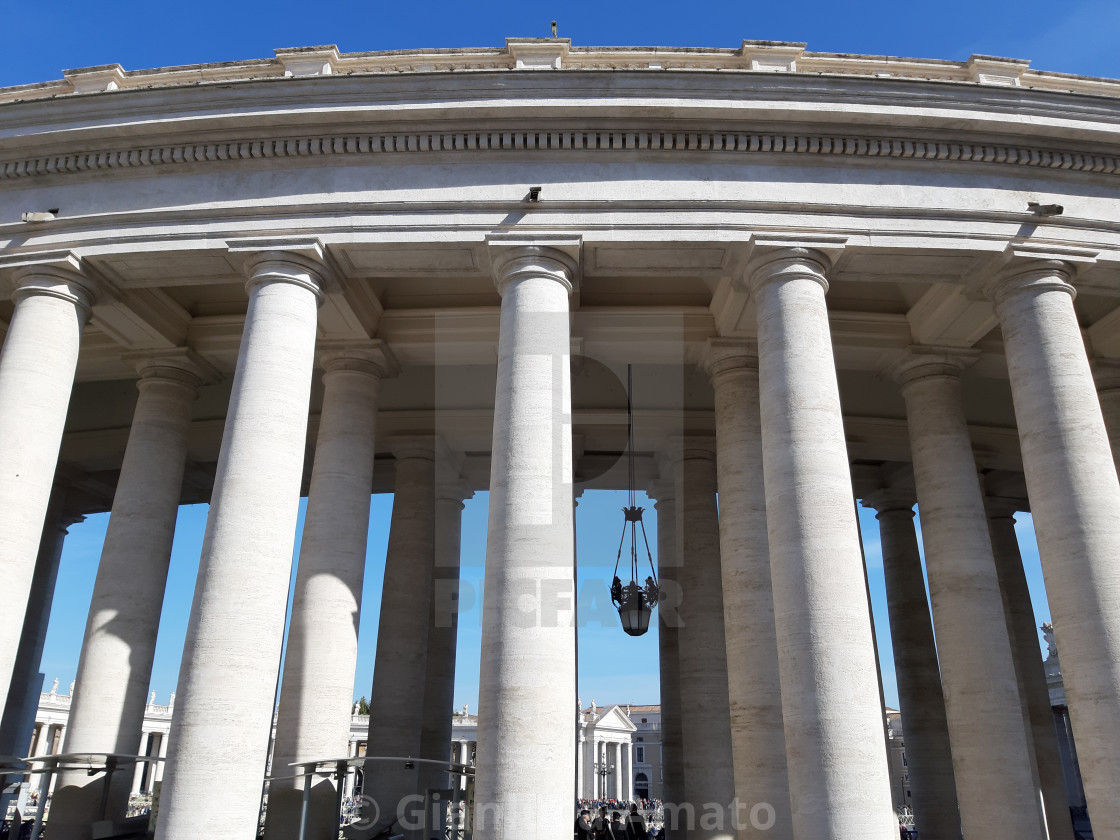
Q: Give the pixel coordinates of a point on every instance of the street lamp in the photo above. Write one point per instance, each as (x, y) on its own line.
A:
(635, 603)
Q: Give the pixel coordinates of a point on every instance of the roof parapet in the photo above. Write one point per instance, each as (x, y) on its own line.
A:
(308, 61)
(538, 53)
(773, 56)
(97, 79)
(993, 70)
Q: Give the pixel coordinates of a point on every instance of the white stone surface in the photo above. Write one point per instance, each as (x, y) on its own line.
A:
(991, 757)
(1107, 378)
(835, 743)
(227, 682)
(115, 667)
(527, 682)
(1022, 629)
(709, 780)
(23, 696)
(37, 366)
(929, 757)
(439, 678)
(396, 700)
(757, 734)
(1074, 496)
(668, 629)
(317, 688)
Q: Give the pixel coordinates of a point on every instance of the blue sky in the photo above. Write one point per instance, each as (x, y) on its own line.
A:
(613, 667)
(39, 40)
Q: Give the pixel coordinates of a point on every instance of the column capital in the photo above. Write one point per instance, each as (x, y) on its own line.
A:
(1031, 275)
(686, 447)
(727, 355)
(924, 362)
(59, 274)
(299, 261)
(516, 257)
(890, 500)
(371, 356)
(179, 365)
(662, 491)
(427, 446)
(777, 258)
(455, 490)
(1003, 507)
(67, 519)
(1106, 374)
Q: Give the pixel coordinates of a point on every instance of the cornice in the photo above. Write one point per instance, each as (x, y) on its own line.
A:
(558, 54)
(729, 144)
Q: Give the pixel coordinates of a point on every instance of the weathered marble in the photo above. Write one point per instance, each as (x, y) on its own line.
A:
(528, 629)
(835, 743)
(929, 756)
(1074, 496)
(757, 733)
(991, 757)
(37, 366)
(317, 687)
(227, 682)
(115, 667)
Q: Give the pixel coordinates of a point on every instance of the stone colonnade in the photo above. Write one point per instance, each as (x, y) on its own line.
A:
(772, 708)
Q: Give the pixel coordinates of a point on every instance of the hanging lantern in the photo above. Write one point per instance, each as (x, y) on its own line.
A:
(634, 601)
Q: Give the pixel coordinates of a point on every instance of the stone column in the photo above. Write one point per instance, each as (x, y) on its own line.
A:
(526, 737)
(991, 758)
(160, 766)
(668, 615)
(1106, 375)
(18, 722)
(758, 742)
(1074, 496)
(835, 744)
(439, 678)
(115, 667)
(920, 699)
(138, 773)
(627, 773)
(1031, 677)
(317, 689)
(37, 364)
(705, 712)
(227, 682)
(43, 741)
(581, 765)
(396, 700)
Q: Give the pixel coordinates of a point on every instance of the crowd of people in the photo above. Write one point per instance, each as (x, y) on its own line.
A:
(594, 805)
(607, 822)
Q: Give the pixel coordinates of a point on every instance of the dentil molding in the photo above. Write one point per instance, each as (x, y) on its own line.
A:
(527, 140)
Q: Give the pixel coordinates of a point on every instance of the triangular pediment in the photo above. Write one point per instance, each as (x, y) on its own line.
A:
(614, 718)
